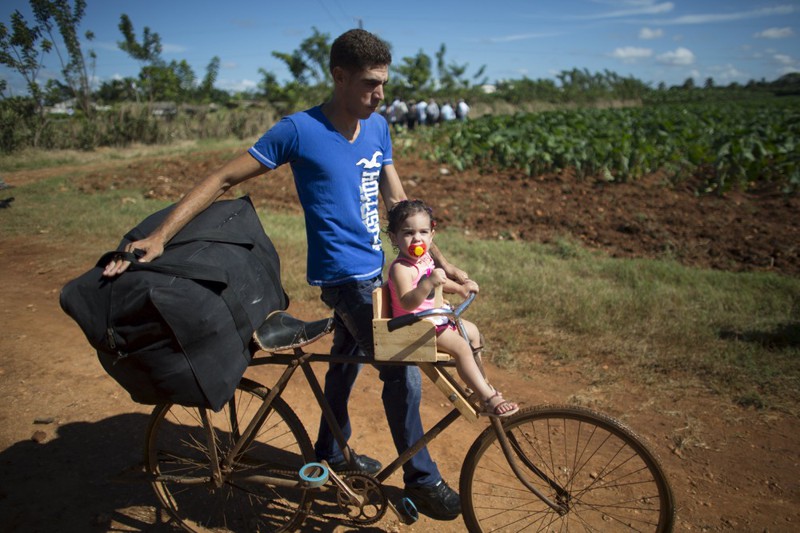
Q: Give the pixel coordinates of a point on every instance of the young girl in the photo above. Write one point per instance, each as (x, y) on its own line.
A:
(412, 280)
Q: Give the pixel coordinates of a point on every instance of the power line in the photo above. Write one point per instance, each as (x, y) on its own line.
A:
(330, 15)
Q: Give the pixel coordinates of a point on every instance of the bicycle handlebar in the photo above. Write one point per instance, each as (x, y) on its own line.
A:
(455, 314)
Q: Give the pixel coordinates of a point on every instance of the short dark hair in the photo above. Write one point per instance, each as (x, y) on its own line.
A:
(358, 50)
(404, 209)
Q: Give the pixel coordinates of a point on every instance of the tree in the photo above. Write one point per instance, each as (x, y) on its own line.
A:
(148, 53)
(309, 63)
(73, 66)
(445, 80)
(414, 72)
(526, 90)
(207, 85)
(308, 66)
(117, 90)
(23, 49)
(452, 75)
(174, 82)
(269, 85)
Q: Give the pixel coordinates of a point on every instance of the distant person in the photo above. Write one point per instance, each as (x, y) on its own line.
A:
(433, 112)
(413, 276)
(399, 113)
(447, 112)
(462, 110)
(411, 117)
(422, 115)
(340, 153)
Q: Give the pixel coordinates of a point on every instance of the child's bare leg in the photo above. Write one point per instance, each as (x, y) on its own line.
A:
(474, 335)
(476, 344)
(451, 342)
(468, 369)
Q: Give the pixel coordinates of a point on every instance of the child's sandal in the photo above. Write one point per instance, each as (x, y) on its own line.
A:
(503, 409)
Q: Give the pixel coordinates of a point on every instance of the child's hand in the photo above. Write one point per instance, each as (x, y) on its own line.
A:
(438, 277)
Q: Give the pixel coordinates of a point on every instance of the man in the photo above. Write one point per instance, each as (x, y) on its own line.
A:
(462, 110)
(341, 156)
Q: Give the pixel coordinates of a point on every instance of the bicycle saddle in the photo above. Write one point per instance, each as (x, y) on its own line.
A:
(281, 331)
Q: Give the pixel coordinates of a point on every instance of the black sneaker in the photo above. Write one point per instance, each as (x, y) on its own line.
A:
(363, 463)
(439, 501)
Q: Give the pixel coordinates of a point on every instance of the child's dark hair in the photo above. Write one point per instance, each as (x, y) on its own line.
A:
(404, 209)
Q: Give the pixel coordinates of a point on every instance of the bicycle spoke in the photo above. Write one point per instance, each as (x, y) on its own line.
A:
(592, 466)
(177, 450)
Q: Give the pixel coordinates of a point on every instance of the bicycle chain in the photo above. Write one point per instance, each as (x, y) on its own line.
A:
(340, 517)
(373, 487)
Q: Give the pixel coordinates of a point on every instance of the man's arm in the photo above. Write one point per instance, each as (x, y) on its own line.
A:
(203, 194)
(452, 271)
(392, 192)
(390, 187)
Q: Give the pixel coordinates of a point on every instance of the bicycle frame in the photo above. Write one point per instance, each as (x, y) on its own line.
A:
(222, 468)
(256, 455)
(304, 360)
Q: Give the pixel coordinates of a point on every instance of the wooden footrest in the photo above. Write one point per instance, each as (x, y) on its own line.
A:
(439, 378)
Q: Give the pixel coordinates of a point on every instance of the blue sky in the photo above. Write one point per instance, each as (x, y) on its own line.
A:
(652, 40)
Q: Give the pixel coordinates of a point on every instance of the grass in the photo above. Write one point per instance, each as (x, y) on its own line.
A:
(650, 321)
(654, 322)
(30, 159)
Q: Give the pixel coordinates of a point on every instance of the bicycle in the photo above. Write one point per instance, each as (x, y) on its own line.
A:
(251, 466)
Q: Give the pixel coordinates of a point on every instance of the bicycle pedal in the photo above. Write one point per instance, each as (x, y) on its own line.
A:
(314, 474)
(405, 511)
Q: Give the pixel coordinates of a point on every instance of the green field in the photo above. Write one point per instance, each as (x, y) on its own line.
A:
(736, 144)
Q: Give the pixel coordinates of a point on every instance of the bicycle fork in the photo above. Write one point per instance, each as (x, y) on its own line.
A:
(506, 446)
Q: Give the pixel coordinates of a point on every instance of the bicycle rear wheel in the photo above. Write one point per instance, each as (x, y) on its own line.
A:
(590, 463)
(177, 454)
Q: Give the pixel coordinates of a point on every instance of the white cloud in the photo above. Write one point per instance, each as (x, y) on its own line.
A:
(103, 45)
(647, 33)
(173, 48)
(789, 70)
(630, 54)
(519, 37)
(647, 7)
(727, 73)
(237, 85)
(775, 33)
(728, 17)
(680, 56)
(783, 59)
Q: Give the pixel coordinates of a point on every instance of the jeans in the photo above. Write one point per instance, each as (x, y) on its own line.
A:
(402, 384)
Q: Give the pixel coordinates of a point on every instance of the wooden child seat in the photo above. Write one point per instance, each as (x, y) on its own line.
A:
(415, 342)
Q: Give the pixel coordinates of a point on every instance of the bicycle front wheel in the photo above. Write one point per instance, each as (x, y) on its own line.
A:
(177, 455)
(593, 466)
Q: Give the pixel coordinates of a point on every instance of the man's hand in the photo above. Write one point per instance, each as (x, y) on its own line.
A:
(151, 247)
(470, 286)
(456, 274)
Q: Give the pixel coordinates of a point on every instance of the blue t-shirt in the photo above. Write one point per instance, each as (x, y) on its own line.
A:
(337, 183)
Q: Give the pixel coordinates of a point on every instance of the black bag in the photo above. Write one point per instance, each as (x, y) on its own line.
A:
(178, 329)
